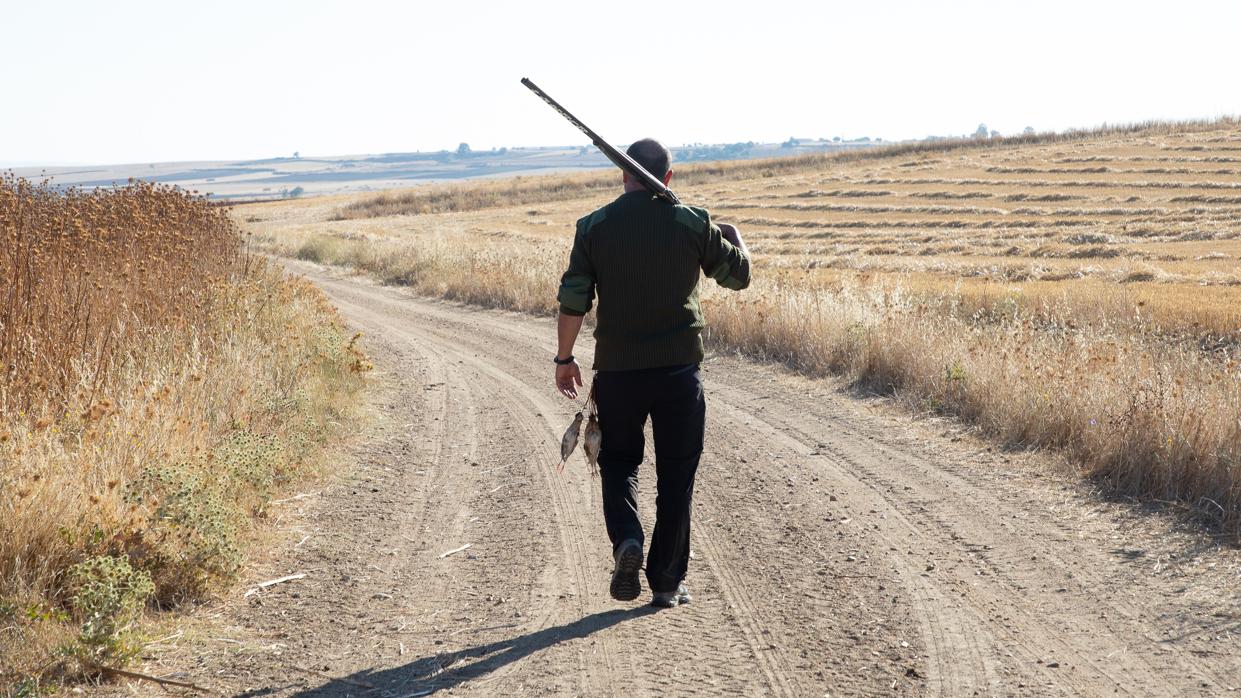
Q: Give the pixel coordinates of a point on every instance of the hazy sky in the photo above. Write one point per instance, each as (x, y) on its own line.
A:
(95, 82)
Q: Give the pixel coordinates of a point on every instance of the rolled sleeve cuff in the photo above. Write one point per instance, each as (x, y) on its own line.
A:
(734, 279)
(577, 292)
(566, 310)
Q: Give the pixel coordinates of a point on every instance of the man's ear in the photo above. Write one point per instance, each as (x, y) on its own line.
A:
(624, 177)
(667, 178)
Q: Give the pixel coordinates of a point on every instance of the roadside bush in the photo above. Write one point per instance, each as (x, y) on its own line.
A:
(108, 597)
(318, 249)
(192, 532)
(159, 387)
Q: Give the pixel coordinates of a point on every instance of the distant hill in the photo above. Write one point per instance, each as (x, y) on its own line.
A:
(283, 177)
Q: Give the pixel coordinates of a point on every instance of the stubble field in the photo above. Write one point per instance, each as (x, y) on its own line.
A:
(1078, 294)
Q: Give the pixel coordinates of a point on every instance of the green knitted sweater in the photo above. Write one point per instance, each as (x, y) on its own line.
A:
(641, 257)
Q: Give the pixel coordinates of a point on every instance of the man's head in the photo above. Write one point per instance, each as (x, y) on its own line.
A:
(654, 157)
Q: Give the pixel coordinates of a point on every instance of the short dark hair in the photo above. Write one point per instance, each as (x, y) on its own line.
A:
(652, 155)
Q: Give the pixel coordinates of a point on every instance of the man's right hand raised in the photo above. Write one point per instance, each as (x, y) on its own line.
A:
(731, 234)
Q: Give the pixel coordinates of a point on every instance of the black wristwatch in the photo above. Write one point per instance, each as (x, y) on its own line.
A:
(563, 362)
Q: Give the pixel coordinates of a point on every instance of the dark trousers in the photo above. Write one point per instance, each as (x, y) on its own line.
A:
(673, 398)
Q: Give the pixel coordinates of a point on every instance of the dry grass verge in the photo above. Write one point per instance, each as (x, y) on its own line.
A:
(160, 387)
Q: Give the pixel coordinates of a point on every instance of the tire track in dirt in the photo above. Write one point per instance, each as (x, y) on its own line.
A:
(758, 637)
(959, 655)
(746, 620)
(574, 557)
(769, 656)
(749, 622)
(1039, 631)
(682, 635)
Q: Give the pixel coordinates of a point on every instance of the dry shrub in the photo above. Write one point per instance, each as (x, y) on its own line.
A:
(514, 275)
(160, 385)
(87, 273)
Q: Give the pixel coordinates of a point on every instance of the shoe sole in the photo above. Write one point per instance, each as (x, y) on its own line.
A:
(625, 583)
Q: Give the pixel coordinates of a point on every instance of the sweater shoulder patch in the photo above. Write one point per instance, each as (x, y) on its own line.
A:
(693, 217)
(585, 223)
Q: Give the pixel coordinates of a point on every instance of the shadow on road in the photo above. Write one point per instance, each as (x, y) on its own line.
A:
(440, 671)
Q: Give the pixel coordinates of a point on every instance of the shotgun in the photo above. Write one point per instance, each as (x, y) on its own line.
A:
(618, 158)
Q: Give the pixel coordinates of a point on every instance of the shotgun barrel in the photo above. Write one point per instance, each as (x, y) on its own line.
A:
(618, 158)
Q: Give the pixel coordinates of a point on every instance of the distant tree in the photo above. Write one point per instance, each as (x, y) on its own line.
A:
(502, 150)
(297, 154)
(836, 139)
(792, 141)
(463, 150)
(583, 150)
(981, 131)
(1029, 131)
(995, 133)
(296, 192)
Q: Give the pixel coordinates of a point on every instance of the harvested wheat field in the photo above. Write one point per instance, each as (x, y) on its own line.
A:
(973, 430)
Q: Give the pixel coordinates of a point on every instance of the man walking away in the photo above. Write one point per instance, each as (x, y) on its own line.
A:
(641, 256)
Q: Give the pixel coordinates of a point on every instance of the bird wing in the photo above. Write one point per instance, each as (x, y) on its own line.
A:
(569, 441)
(594, 441)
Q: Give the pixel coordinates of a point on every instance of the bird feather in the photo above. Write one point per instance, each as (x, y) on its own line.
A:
(569, 441)
(593, 443)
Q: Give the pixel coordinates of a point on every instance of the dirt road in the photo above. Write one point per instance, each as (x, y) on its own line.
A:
(839, 548)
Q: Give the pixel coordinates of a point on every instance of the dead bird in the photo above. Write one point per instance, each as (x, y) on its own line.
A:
(569, 441)
(593, 442)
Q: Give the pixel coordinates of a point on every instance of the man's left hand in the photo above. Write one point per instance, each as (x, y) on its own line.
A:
(569, 379)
